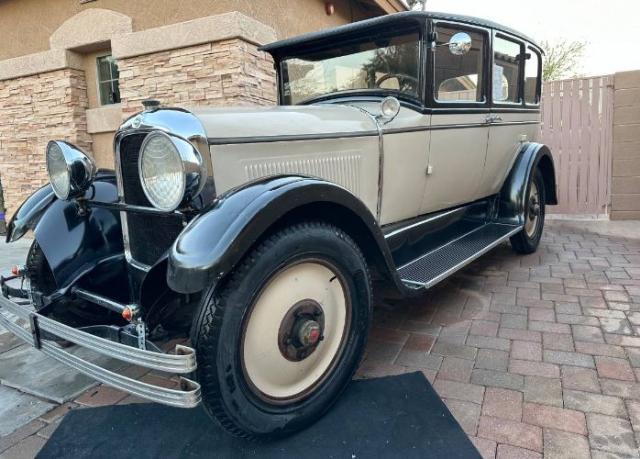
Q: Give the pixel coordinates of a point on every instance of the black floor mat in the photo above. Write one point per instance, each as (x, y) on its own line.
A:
(398, 416)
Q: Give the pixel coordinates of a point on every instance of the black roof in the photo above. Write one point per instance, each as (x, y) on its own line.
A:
(282, 47)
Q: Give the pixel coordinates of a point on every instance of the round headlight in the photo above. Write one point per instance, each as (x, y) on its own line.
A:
(70, 170)
(171, 170)
(59, 175)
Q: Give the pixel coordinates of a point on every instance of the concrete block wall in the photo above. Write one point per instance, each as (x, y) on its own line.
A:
(625, 180)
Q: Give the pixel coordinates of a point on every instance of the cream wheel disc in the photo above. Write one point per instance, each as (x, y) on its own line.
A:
(533, 211)
(295, 330)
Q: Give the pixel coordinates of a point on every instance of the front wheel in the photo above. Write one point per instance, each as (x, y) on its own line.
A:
(527, 240)
(281, 339)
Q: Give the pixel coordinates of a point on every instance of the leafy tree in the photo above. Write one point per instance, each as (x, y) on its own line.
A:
(562, 59)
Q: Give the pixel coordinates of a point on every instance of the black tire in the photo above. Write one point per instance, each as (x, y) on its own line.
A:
(527, 242)
(218, 331)
(72, 312)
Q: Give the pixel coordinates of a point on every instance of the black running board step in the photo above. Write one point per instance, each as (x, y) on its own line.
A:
(437, 265)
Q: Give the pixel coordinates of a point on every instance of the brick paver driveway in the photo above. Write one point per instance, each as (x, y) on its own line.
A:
(535, 355)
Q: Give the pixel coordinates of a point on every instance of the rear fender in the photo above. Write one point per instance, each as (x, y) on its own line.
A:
(514, 191)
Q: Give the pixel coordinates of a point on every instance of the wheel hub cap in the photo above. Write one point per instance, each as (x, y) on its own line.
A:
(309, 333)
(301, 330)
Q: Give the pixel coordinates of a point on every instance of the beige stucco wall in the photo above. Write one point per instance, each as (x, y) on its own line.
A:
(27, 25)
(625, 182)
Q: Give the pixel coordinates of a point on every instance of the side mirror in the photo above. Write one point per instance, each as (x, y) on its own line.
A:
(460, 44)
(389, 109)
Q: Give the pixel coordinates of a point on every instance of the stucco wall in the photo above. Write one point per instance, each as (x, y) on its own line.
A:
(33, 110)
(26, 25)
(625, 183)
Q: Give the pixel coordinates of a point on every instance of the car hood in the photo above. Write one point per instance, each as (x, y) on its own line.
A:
(251, 122)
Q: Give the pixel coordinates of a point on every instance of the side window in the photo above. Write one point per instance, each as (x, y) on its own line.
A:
(458, 78)
(108, 84)
(531, 77)
(506, 70)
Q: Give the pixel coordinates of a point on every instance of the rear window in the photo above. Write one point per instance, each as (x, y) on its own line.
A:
(506, 70)
(532, 77)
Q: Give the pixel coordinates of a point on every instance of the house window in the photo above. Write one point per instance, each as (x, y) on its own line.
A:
(108, 85)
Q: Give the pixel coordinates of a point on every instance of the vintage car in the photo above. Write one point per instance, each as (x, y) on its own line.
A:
(402, 148)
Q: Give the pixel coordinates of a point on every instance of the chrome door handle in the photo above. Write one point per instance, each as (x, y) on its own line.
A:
(493, 119)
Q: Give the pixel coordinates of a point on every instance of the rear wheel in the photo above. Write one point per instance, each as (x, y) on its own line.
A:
(527, 240)
(279, 342)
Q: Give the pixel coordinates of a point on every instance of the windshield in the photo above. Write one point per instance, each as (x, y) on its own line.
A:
(387, 64)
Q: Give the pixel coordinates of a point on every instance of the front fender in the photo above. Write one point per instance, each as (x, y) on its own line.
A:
(74, 244)
(215, 241)
(514, 191)
(28, 215)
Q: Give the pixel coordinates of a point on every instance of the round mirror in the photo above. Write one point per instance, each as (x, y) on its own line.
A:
(460, 44)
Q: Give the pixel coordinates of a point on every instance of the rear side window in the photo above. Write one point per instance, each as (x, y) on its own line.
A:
(506, 70)
(531, 77)
(458, 78)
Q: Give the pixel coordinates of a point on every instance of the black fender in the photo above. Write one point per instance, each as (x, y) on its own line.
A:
(514, 191)
(216, 240)
(28, 215)
(73, 242)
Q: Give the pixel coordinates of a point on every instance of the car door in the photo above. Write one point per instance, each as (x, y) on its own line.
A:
(406, 155)
(515, 113)
(459, 131)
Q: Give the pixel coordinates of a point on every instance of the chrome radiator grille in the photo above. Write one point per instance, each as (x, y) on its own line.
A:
(149, 236)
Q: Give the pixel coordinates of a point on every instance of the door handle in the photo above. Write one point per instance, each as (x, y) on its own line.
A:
(490, 119)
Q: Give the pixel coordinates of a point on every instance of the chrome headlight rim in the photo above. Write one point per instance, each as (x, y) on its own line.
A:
(193, 169)
(79, 167)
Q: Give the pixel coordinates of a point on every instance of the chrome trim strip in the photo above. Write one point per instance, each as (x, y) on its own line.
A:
(344, 135)
(463, 263)
(380, 134)
(422, 222)
(290, 138)
(183, 362)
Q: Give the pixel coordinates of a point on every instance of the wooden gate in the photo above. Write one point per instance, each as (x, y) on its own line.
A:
(577, 124)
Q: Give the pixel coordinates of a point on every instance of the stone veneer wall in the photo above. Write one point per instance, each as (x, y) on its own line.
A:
(33, 110)
(3, 227)
(625, 181)
(229, 72)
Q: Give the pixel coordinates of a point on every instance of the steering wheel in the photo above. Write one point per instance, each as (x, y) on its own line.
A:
(404, 81)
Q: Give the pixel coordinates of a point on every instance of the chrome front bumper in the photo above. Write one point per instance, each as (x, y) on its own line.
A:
(182, 362)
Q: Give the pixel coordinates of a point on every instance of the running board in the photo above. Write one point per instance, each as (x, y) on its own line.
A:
(435, 266)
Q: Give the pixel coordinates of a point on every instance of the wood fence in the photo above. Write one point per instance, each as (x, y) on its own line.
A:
(577, 124)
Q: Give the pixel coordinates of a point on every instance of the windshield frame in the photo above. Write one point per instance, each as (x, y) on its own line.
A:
(418, 99)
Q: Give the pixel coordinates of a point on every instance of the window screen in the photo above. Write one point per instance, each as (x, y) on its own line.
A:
(108, 85)
(506, 66)
(458, 78)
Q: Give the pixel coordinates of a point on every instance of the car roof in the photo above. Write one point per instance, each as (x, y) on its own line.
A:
(326, 36)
